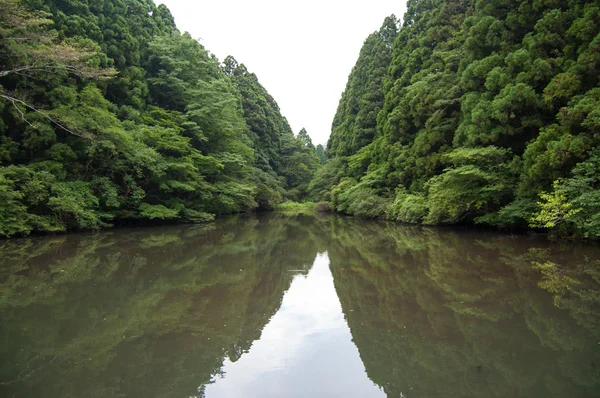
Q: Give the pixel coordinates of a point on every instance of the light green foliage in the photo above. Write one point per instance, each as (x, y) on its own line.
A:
(76, 206)
(573, 206)
(476, 183)
(233, 197)
(358, 199)
(554, 209)
(461, 192)
(295, 208)
(305, 139)
(152, 212)
(409, 208)
(22, 188)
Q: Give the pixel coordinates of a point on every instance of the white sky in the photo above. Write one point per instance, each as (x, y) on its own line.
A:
(301, 51)
(306, 349)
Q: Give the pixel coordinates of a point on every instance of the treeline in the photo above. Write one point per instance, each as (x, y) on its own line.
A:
(473, 112)
(110, 114)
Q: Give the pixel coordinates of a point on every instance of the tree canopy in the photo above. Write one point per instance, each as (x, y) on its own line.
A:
(111, 115)
(475, 112)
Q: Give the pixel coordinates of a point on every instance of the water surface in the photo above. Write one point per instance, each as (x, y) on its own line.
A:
(298, 306)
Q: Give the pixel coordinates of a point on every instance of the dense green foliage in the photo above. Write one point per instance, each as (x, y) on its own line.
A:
(481, 112)
(110, 114)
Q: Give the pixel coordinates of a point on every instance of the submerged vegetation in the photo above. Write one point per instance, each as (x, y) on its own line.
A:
(473, 112)
(110, 114)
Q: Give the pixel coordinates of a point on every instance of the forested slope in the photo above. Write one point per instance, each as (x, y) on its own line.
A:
(110, 114)
(487, 112)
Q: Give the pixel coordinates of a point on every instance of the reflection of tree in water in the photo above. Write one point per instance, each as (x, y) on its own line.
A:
(433, 312)
(440, 313)
(141, 312)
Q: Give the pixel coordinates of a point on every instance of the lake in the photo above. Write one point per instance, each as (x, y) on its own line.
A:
(283, 306)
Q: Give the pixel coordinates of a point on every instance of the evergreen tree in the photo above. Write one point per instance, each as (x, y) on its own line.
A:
(489, 114)
(320, 151)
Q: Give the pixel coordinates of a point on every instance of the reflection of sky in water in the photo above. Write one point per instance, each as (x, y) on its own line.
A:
(306, 350)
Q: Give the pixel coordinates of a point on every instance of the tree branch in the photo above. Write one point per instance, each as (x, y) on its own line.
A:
(24, 68)
(16, 101)
(95, 73)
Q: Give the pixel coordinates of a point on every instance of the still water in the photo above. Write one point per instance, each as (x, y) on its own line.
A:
(276, 306)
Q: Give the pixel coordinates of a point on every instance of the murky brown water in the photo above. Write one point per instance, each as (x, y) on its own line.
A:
(280, 306)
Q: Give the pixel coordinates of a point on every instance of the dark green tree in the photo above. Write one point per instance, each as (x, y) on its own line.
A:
(466, 81)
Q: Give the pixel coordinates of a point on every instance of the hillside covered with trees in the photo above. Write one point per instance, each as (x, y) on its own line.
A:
(473, 112)
(111, 115)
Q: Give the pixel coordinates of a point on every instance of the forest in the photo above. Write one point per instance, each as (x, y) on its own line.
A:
(111, 115)
(473, 112)
(463, 112)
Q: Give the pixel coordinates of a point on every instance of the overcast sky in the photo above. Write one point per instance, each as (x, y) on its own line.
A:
(306, 349)
(301, 51)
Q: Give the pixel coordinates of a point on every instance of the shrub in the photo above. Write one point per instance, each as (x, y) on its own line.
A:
(358, 200)
(408, 208)
(323, 207)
